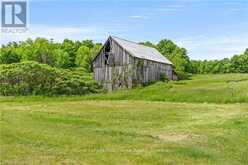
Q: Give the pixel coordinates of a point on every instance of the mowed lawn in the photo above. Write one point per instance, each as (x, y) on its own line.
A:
(123, 132)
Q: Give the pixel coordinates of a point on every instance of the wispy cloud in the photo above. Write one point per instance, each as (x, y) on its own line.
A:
(212, 47)
(96, 33)
(57, 33)
(135, 16)
(171, 8)
(139, 17)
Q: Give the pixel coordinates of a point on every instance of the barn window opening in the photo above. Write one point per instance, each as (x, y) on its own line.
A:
(107, 47)
(106, 59)
(107, 52)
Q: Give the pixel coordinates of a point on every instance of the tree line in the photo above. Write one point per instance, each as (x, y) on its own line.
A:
(66, 55)
(235, 64)
(183, 64)
(72, 54)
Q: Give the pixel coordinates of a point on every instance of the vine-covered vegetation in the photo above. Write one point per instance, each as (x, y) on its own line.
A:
(39, 79)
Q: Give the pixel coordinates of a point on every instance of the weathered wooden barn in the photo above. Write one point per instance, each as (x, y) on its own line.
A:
(121, 63)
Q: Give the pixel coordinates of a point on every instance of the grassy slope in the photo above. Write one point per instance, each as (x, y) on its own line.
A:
(36, 130)
(220, 88)
(225, 88)
(123, 132)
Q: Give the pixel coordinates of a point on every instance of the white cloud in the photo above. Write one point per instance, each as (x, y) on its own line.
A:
(214, 47)
(97, 33)
(171, 8)
(138, 17)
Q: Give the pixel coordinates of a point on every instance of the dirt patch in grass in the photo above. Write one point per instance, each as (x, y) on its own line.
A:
(177, 137)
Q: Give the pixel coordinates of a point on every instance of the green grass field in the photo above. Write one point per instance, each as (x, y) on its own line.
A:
(225, 88)
(205, 123)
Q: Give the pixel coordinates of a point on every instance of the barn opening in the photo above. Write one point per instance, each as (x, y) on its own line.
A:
(107, 52)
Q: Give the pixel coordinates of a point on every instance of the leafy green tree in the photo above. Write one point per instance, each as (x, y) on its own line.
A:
(71, 48)
(88, 43)
(178, 56)
(239, 63)
(25, 49)
(166, 46)
(62, 58)
(42, 52)
(9, 55)
(82, 53)
(85, 56)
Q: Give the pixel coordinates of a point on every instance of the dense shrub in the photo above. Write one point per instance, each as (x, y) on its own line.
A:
(40, 79)
(183, 75)
(164, 78)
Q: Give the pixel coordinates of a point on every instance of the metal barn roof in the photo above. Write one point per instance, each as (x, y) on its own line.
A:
(141, 51)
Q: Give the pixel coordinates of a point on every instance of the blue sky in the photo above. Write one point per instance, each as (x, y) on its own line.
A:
(208, 29)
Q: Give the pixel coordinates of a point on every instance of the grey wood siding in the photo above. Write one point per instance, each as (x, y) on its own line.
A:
(146, 71)
(115, 68)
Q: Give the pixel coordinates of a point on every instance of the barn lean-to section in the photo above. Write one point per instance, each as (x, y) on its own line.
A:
(121, 63)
